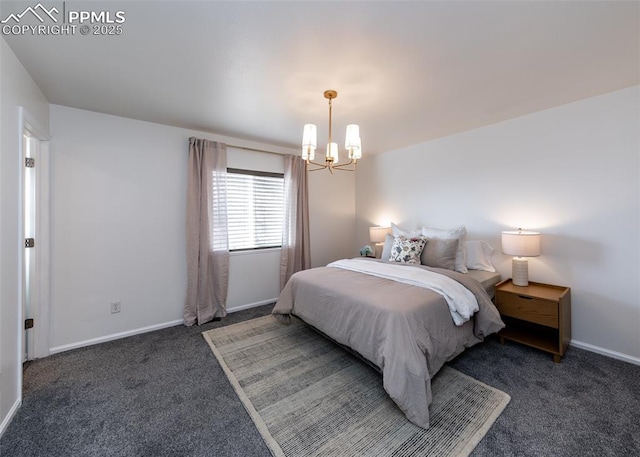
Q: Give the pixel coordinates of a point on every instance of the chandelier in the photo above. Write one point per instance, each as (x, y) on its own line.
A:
(352, 144)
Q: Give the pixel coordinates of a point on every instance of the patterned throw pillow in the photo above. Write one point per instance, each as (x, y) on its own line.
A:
(407, 250)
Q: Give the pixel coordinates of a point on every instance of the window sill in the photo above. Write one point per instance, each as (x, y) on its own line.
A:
(254, 251)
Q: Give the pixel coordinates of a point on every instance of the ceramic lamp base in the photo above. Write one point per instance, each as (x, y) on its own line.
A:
(377, 250)
(520, 271)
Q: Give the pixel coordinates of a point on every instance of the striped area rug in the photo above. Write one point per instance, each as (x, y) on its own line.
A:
(309, 397)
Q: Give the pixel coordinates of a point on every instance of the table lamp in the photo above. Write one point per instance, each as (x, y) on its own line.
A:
(520, 244)
(377, 236)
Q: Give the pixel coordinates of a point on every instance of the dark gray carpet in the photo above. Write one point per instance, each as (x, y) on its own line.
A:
(164, 394)
(587, 405)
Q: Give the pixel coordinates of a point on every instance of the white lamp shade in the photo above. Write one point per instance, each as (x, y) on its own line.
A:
(332, 152)
(378, 234)
(309, 136)
(352, 141)
(356, 151)
(521, 243)
(352, 137)
(309, 141)
(308, 153)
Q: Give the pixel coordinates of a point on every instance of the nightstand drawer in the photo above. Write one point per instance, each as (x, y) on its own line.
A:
(531, 309)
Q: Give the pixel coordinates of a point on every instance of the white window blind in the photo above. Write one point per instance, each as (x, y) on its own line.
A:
(255, 209)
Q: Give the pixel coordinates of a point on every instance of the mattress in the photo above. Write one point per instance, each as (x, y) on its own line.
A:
(487, 279)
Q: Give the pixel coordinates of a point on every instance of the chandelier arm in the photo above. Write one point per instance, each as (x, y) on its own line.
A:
(319, 166)
(331, 167)
(343, 166)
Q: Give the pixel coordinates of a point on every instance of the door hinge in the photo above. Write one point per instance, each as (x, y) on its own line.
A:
(29, 242)
(28, 323)
(29, 162)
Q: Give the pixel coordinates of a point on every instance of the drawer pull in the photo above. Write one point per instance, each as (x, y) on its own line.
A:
(525, 298)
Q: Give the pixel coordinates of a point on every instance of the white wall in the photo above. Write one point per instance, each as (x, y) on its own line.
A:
(332, 211)
(119, 202)
(118, 225)
(16, 89)
(571, 172)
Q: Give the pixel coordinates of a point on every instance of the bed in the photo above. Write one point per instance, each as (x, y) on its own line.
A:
(407, 331)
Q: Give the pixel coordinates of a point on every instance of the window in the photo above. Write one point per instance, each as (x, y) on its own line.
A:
(255, 209)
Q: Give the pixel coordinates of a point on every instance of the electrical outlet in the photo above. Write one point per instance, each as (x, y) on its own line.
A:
(115, 307)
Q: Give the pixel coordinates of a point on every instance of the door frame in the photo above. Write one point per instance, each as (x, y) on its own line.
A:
(41, 308)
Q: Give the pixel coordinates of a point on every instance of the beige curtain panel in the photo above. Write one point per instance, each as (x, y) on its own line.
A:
(207, 241)
(295, 231)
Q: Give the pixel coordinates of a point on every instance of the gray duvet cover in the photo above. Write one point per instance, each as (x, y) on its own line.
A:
(404, 330)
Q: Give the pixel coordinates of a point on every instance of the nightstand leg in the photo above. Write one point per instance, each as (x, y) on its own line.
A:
(501, 340)
(557, 358)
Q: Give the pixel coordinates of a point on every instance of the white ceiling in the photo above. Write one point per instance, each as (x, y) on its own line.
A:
(407, 72)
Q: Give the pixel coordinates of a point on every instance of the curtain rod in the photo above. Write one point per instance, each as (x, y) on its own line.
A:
(255, 150)
(252, 149)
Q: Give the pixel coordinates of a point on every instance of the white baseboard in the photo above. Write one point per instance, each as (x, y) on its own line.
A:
(114, 336)
(251, 305)
(606, 352)
(12, 412)
(138, 331)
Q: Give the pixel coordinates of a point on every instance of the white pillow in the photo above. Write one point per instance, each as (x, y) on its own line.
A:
(386, 249)
(399, 231)
(479, 256)
(458, 233)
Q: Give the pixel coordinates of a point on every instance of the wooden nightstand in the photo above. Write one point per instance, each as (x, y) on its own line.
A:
(538, 315)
